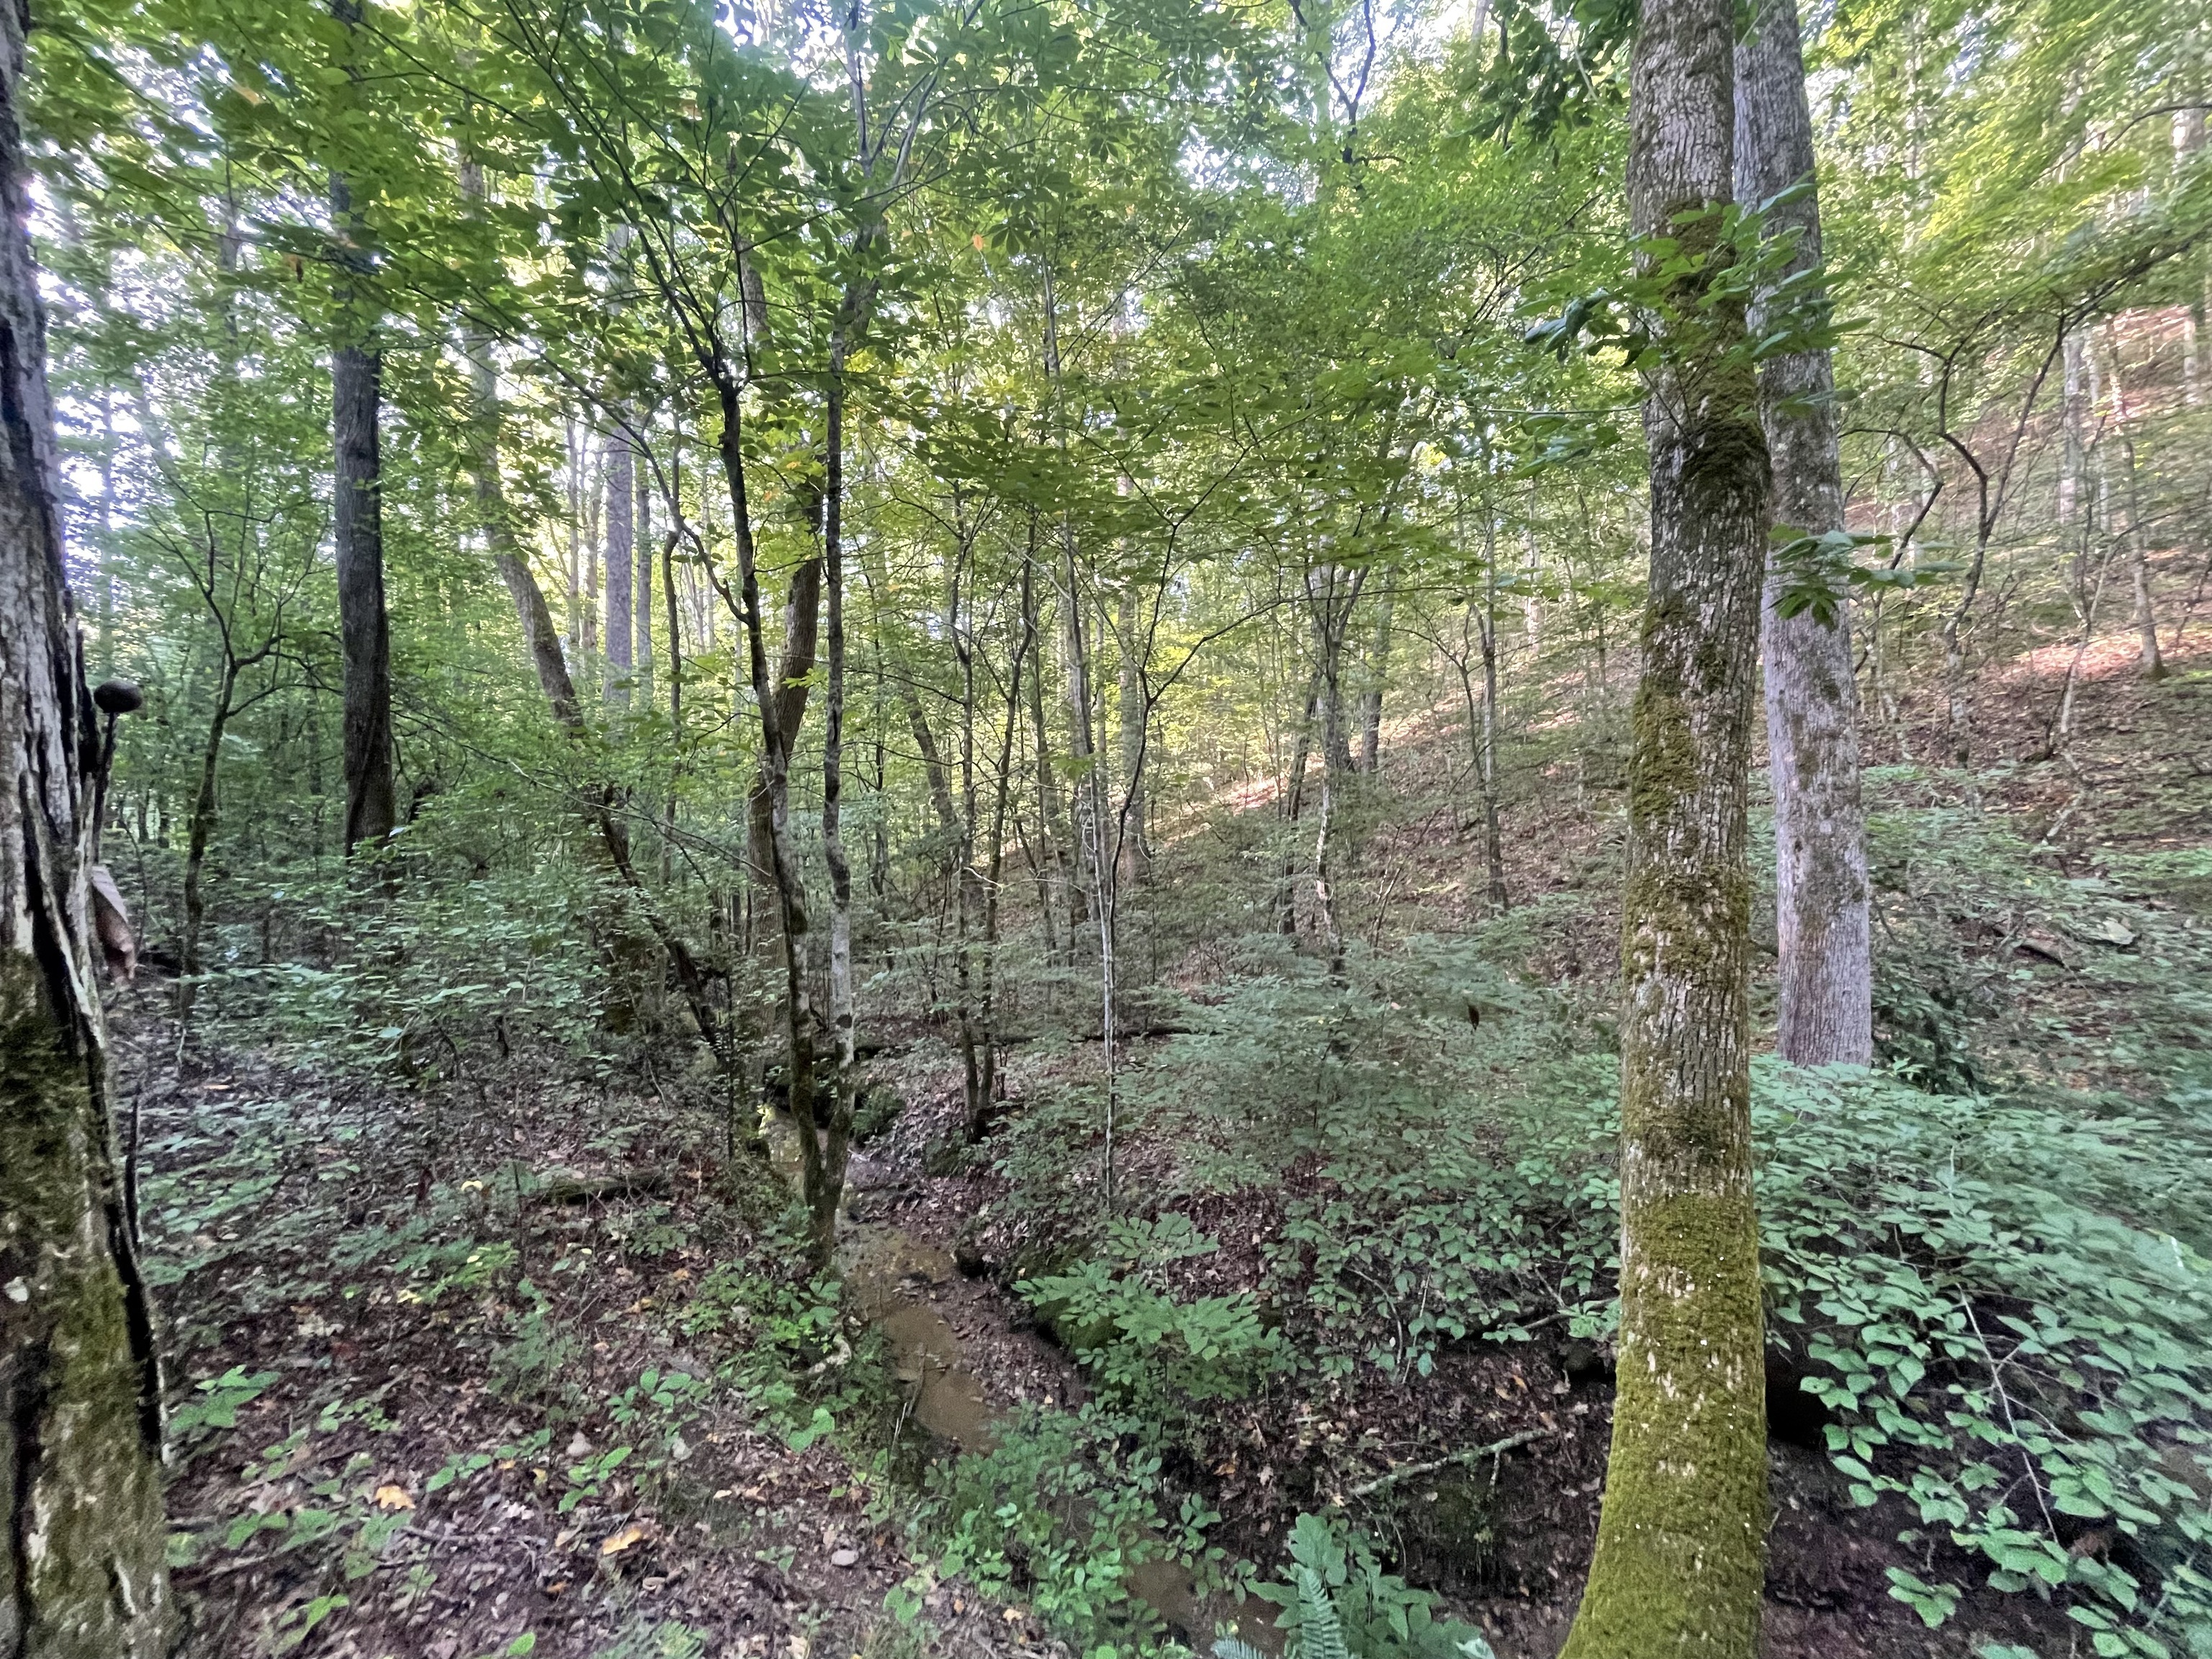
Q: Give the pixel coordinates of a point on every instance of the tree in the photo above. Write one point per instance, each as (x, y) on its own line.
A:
(1681, 1546)
(82, 1569)
(1827, 961)
(357, 517)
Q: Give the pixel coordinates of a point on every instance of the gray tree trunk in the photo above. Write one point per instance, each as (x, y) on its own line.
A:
(1825, 968)
(1679, 1563)
(539, 632)
(641, 590)
(1378, 674)
(81, 1538)
(621, 565)
(357, 524)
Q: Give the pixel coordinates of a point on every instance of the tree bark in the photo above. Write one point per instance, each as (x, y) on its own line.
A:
(1493, 834)
(1136, 849)
(841, 1027)
(1680, 1547)
(802, 617)
(357, 523)
(1378, 673)
(802, 1024)
(82, 1537)
(641, 590)
(1052, 842)
(1825, 967)
(201, 830)
(621, 476)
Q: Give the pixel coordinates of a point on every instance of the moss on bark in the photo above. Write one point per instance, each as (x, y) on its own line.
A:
(82, 1574)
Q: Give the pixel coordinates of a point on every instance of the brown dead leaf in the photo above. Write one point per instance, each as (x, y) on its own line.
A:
(616, 1544)
(389, 1498)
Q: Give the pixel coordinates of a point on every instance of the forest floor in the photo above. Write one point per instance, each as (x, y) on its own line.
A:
(495, 1369)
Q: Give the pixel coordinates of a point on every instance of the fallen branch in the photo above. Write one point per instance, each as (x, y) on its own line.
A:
(563, 1188)
(1414, 1471)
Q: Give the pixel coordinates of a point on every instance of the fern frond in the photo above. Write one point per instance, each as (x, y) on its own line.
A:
(1320, 1633)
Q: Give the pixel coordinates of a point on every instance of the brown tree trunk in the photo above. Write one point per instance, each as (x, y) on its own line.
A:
(199, 832)
(841, 1026)
(1680, 1547)
(802, 617)
(81, 1538)
(1825, 968)
(802, 1024)
(1135, 848)
(357, 523)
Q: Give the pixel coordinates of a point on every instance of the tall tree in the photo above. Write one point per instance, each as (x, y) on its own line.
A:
(82, 1538)
(1681, 1535)
(622, 562)
(357, 512)
(1827, 961)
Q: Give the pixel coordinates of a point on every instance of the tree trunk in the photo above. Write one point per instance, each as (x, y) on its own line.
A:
(1378, 673)
(1493, 836)
(802, 616)
(1293, 806)
(801, 1022)
(1680, 1547)
(621, 476)
(833, 762)
(357, 523)
(357, 529)
(199, 832)
(81, 1538)
(2150, 660)
(1052, 842)
(641, 590)
(1135, 845)
(1825, 969)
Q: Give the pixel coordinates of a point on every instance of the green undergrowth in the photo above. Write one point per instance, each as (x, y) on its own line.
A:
(1999, 1297)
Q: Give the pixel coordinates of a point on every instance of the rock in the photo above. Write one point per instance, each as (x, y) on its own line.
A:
(2106, 930)
(2049, 946)
(847, 1558)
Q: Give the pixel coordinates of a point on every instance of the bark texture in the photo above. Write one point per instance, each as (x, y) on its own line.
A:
(620, 475)
(1826, 966)
(357, 524)
(1680, 1547)
(82, 1572)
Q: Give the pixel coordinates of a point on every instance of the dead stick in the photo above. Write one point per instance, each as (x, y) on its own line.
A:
(1413, 1471)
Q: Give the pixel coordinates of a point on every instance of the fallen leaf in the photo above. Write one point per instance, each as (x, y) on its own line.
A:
(392, 1498)
(632, 1533)
(844, 1557)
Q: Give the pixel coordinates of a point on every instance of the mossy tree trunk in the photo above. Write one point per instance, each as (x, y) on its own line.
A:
(1680, 1545)
(82, 1574)
(1826, 947)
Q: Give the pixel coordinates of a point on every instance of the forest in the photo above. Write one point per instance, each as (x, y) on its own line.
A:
(1106, 828)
